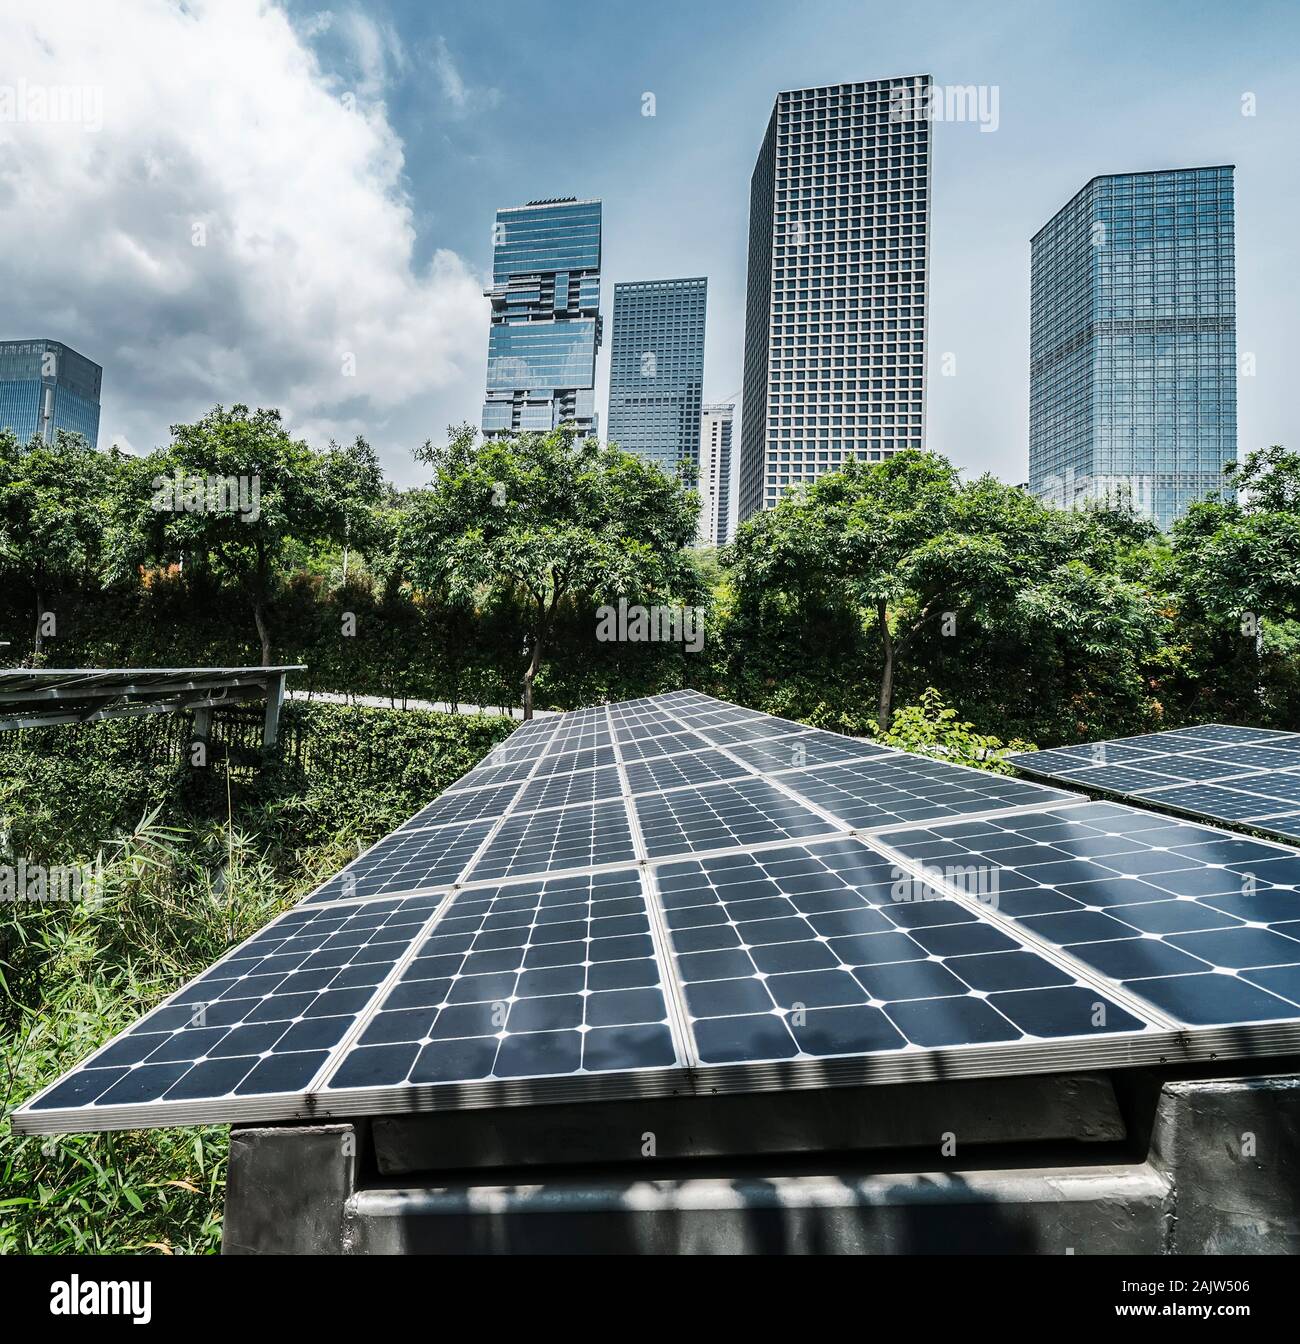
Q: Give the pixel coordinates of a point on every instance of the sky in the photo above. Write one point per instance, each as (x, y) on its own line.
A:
(291, 205)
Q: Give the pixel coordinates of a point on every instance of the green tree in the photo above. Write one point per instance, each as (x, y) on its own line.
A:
(236, 495)
(1240, 558)
(54, 516)
(549, 519)
(1236, 567)
(927, 562)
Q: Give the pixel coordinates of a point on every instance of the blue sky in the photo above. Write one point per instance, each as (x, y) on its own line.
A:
(470, 107)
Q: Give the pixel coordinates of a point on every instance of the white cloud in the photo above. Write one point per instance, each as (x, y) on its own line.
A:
(451, 83)
(219, 125)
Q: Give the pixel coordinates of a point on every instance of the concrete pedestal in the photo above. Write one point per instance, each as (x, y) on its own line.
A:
(1044, 1165)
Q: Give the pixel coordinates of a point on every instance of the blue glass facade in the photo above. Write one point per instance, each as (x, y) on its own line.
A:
(46, 386)
(1133, 342)
(545, 318)
(656, 369)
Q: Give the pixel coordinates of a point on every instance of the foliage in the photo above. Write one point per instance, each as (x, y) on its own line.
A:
(554, 518)
(54, 515)
(290, 500)
(179, 888)
(954, 581)
(931, 727)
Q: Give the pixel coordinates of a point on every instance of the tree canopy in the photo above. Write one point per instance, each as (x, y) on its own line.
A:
(554, 517)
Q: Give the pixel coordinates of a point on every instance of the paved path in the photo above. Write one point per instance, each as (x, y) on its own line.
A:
(391, 702)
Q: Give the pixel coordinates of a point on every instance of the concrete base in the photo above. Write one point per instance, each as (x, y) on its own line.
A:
(1234, 1147)
(1220, 1174)
(1060, 1106)
(1055, 1212)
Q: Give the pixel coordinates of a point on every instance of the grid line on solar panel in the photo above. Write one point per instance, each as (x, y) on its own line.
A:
(554, 977)
(408, 861)
(470, 805)
(1200, 923)
(675, 1002)
(668, 772)
(877, 792)
(564, 790)
(808, 951)
(569, 762)
(584, 836)
(261, 1020)
(667, 744)
(732, 813)
(794, 752)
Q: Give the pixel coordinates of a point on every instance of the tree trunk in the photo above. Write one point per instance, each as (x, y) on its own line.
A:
(534, 662)
(886, 711)
(264, 634)
(36, 646)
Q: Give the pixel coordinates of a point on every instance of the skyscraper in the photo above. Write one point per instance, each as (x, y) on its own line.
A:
(656, 369)
(715, 474)
(545, 317)
(46, 386)
(1133, 342)
(836, 305)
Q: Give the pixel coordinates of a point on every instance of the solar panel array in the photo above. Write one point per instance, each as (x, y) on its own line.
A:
(675, 894)
(1247, 776)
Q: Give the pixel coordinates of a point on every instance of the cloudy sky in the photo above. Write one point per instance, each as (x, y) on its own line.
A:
(291, 205)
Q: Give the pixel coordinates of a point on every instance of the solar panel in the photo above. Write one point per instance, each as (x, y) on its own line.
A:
(537, 979)
(408, 861)
(1222, 772)
(261, 1020)
(1202, 925)
(676, 896)
(571, 837)
(898, 787)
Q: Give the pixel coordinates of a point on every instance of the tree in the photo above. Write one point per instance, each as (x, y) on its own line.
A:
(1237, 575)
(926, 560)
(54, 515)
(235, 495)
(551, 519)
(1240, 557)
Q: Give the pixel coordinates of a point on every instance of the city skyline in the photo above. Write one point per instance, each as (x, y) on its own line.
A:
(383, 251)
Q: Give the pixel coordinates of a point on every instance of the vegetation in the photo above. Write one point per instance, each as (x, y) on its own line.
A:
(853, 594)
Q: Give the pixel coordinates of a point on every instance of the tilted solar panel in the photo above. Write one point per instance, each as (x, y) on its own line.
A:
(1221, 772)
(676, 895)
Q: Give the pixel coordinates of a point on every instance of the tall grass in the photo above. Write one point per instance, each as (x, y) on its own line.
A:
(172, 899)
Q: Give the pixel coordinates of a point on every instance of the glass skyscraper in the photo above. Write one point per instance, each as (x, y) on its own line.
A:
(46, 386)
(715, 473)
(545, 318)
(656, 369)
(835, 308)
(1133, 342)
